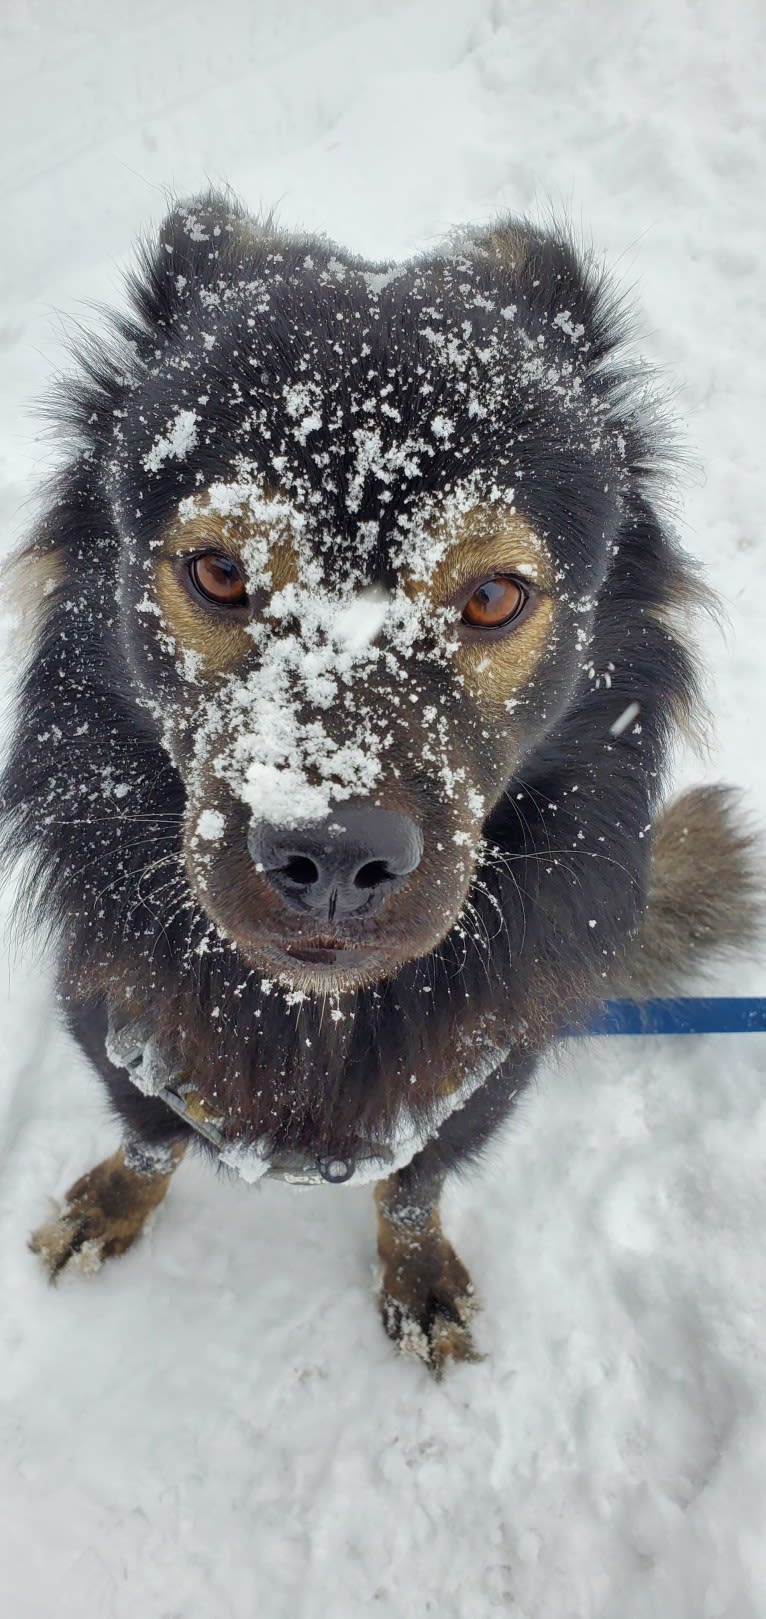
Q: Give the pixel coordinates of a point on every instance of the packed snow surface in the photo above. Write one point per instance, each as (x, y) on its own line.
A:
(215, 1426)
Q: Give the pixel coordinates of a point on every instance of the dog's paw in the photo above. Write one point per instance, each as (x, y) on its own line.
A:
(67, 1242)
(426, 1300)
(101, 1216)
(80, 1237)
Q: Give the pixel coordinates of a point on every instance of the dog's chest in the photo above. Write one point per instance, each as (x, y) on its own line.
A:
(130, 1047)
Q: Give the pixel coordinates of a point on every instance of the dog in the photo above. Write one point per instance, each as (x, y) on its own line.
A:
(339, 755)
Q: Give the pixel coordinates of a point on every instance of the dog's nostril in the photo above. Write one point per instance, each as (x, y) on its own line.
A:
(346, 865)
(299, 869)
(373, 874)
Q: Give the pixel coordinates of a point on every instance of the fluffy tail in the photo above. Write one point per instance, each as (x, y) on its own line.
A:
(706, 894)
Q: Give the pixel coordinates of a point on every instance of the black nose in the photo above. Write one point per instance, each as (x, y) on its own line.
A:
(342, 866)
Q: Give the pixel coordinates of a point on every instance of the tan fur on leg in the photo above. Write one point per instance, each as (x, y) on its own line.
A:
(426, 1294)
(106, 1210)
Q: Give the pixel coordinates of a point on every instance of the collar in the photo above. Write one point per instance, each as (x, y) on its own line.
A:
(129, 1046)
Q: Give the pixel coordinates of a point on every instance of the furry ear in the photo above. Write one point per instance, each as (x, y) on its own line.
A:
(200, 242)
(558, 280)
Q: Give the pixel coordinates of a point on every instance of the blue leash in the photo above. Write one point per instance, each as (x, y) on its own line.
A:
(713, 1014)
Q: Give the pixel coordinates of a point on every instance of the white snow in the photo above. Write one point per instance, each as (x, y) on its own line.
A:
(210, 825)
(180, 438)
(317, 648)
(215, 1426)
(626, 718)
(359, 621)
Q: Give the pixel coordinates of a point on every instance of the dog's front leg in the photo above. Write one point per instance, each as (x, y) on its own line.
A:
(426, 1295)
(107, 1209)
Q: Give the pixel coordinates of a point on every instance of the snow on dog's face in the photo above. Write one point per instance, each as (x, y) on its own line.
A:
(309, 698)
(347, 624)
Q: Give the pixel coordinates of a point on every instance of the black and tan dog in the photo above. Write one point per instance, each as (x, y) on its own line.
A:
(343, 734)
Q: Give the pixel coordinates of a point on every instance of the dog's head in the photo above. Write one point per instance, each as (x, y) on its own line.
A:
(365, 515)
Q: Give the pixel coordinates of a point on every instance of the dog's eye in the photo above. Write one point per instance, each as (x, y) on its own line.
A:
(217, 577)
(496, 602)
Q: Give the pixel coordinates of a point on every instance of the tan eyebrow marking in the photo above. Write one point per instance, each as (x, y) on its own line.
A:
(222, 646)
(491, 540)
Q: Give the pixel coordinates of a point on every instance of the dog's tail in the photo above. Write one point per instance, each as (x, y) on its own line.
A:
(706, 894)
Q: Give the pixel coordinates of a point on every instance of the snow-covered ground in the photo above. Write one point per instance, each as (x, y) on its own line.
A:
(215, 1426)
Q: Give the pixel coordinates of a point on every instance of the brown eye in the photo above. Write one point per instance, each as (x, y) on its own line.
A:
(496, 602)
(218, 579)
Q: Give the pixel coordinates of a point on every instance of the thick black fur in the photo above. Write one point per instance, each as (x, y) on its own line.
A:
(571, 825)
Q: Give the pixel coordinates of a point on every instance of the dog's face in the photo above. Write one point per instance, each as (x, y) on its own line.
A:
(342, 738)
(351, 626)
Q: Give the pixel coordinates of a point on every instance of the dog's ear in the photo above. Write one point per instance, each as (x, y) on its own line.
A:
(199, 244)
(557, 279)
